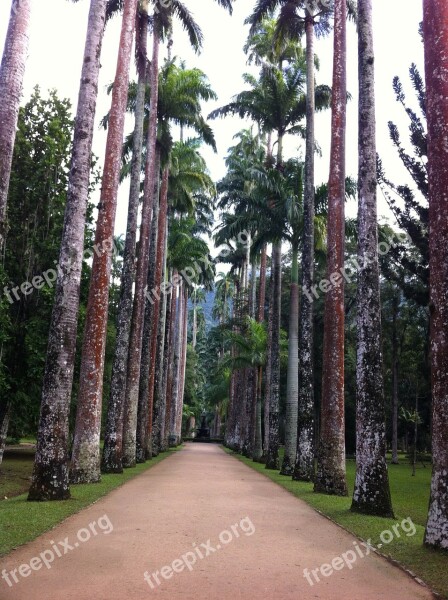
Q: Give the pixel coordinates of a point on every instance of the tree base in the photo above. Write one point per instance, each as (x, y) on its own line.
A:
(78, 476)
(50, 482)
(287, 467)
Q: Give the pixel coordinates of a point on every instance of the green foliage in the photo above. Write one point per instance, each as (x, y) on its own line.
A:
(36, 206)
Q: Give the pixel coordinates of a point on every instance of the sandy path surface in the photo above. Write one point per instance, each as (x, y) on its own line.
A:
(200, 495)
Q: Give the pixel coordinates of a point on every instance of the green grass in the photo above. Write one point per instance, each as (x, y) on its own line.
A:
(15, 474)
(22, 521)
(410, 496)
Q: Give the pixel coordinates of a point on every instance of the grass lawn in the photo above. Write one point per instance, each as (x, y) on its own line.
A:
(410, 497)
(15, 473)
(22, 521)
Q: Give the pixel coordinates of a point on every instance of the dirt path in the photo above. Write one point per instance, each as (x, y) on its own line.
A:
(263, 538)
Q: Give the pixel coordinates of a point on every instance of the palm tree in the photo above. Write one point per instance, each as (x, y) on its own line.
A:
(436, 67)
(50, 476)
(12, 71)
(296, 18)
(85, 466)
(162, 21)
(113, 441)
(180, 93)
(330, 476)
(185, 251)
(371, 494)
(278, 104)
(251, 353)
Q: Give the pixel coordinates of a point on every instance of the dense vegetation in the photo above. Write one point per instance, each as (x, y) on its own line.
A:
(301, 337)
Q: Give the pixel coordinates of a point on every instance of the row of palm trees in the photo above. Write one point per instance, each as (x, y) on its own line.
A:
(263, 194)
(145, 407)
(176, 187)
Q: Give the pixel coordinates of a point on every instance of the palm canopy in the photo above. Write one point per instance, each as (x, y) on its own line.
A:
(189, 253)
(276, 100)
(191, 189)
(181, 92)
(163, 14)
(291, 16)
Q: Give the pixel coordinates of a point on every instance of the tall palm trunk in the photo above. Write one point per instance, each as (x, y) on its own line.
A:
(12, 71)
(395, 366)
(304, 466)
(5, 412)
(195, 321)
(161, 233)
(113, 442)
(158, 417)
(262, 289)
(164, 426)
(85, 465)
(159, 374)
(50, 475)
(330, 477)
(135, 348)
(292, 385)
(371, 494)
(170, 362)
(258, 435)
(176, 368)
(144, 427)
(267, 387)
(183, 367)
(436, 64)
(272, 459)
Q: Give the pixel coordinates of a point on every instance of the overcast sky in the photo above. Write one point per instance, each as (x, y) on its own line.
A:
(56, 49)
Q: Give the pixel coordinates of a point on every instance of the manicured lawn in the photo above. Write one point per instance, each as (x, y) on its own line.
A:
(410, 496)
(15, 474)
(22, 521)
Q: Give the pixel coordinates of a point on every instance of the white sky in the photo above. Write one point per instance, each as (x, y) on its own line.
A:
(56, 49)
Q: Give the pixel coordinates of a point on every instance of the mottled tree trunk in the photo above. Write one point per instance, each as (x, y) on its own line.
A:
(165, 368)
(233, 429)
(371, 494)
(258, 437)
(176, 368)
(161, 232)
(395, 366)
(12, 71)
(435, 27)
(170, 408)
(267, 386)
(304, 464)
(159, 400)
(136, 340)
(5, 412)
(85, 464)
(113, 441)
(292, 384)
(262, 289)
(50, 475)
(144, 426)
(272, 459)
(182, 367)
(330, 476)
